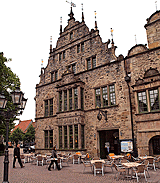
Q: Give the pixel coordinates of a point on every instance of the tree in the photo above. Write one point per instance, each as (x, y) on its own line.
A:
(30, 134)
(17, 135)
(8, 82)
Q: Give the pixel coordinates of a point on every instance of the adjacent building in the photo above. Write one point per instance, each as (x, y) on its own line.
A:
(84, 80)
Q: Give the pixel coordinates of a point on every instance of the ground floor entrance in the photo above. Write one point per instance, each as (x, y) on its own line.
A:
(154, 145)
(109, 141)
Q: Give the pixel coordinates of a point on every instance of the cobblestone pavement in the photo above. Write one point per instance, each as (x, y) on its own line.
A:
(73, 174)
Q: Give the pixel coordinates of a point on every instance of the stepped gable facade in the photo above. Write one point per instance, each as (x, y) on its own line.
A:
(83, 80)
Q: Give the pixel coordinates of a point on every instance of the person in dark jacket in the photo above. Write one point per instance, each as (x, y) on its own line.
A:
(54, 155)
(17, 156)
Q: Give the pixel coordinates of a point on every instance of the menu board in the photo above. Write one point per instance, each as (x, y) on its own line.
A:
(126, 146)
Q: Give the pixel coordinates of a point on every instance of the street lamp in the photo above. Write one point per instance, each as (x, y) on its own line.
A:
(19, 101)
(104, 113)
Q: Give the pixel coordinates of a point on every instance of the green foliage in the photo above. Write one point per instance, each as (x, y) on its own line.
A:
(8, 82)
(17, 135)
(30, 134)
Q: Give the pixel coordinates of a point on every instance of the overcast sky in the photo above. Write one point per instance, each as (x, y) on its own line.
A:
(26, 27)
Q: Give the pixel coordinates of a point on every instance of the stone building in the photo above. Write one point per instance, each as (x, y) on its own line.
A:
(84, 80)
(143, 67)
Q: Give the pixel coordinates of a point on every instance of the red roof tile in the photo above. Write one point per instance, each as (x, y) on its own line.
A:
(23, 125)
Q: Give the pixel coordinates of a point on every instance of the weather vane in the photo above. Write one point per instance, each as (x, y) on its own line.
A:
(72, 4)
(41, 63)
(50, 39)
(135, 38)
(112, 33)
(82, 6)
(156, 5)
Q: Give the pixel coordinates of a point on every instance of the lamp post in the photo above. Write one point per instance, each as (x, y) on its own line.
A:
(100, 113)
(19, 101)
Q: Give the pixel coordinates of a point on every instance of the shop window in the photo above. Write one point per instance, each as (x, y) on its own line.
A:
(65, 137)
(48, 138)
(60, 137)
(70, 137)
(76, 136)
(82, 136)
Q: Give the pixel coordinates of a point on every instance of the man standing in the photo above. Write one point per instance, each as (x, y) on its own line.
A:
(17, 155)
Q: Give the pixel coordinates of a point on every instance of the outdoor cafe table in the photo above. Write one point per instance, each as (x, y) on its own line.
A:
(94, 161)
(28, 156)
(130, 165)
(117, 156)
(145, 157)
(100, 160)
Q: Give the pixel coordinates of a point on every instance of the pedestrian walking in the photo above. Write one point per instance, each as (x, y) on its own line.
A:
(54, 155)
(17, 156)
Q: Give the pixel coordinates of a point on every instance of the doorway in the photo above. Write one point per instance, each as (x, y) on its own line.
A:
(154, 145)
(111, 138)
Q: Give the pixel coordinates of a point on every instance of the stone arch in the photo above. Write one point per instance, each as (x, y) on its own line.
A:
(151, 72)
(154, 145)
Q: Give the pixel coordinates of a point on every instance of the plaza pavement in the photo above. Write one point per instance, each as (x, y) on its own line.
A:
(73, 174)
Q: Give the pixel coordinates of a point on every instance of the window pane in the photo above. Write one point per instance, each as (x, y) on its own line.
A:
(70, 99)
(51, 107)
(112, 95)
(82, 47)
(142, 102)
(56, 75)
(154, 100)
(88, 64)
(82, 136)
(78, 48)
(46, 138)
(94, 62)
(60, 56)
(74, 68)
(105, 96)
(52, 77)
(75, 98)
(46, 108)
(51, 138)
(70, 137)
(71, 35)
(76, 135)
(64, 55)
(60, 101)
(98, 97)
(65, 136)
(60, 137)
(65, 100)
(82, 99)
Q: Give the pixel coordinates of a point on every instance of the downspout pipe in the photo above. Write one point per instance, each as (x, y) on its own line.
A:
(128, 79)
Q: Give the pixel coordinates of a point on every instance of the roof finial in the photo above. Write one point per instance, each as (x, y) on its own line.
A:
(95, 20)
(135, 39)
(156, 5)
(50, 45)
(82, 13)
(60, 25)
(41, 63)
(112, 43)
